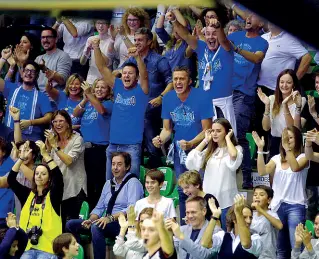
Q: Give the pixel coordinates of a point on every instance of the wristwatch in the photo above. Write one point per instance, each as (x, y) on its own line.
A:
(56, 149)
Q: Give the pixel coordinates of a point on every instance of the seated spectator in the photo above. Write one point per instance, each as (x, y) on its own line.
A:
(289, 171)
(65, 246)
(95, 112)
(34, 106)
(265, 223)
(69, 98)
(219, 160)
(67, 150)
(117, 195)
(282, 109)
(40, 215)
(233, 26)
(13, 240)
(157, 239)
(191, 233)
(303, 237)
(55, 63)
(102, 27)
(154, 180)
(74, 33)
(191, 183)
(133, 247)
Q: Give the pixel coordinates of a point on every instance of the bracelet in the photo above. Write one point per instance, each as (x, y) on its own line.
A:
(215, 218)
(160, 13)
(262, 153)
(132, 226)
(11, 70)
(173, 21)
(23, 159)
(81, 107)
(232, 7)
(49, 161)
(205, 141)
(5, 60)
(266, 115)
(16, 121)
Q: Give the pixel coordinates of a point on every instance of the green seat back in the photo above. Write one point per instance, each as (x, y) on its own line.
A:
(85, 211)
(168, 185)
(142, 174)
(174, 195)
(313, 93)
(81, 253)
(252, 145)
(310, 227)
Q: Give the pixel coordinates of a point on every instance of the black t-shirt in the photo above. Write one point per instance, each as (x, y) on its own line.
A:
(312, 178)
(209, 212)
(159, 254)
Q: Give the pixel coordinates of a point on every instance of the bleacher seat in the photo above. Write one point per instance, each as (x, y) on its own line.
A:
(310, 226)
(252, 145)
(174, 195)
(81, 253)
(313, 93)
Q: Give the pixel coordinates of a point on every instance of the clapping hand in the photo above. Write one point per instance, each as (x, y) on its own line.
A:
(157, 142)
(11, 220)
(42, 147)
(25, 151)
(86, 87)
(296, 97)
(6, 53)
(21, 56)
(50, 137)
(172, 225)
(239, 202)
(312, 136)
(312, 106)
(132, 52)
(123, 222)
(263, 97)
(260, 142)
(216, 212)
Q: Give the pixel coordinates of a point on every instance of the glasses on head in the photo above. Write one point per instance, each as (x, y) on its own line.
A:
(133, 20)
(47, 37)
(30, 71)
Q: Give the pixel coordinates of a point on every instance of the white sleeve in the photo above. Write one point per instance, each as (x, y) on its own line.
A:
(217, 241)
(84, 28)
(134, 243)
(170, 211)
(195, 160)
(234, 164)
(119, 247)
(295, 48)
(256, 245)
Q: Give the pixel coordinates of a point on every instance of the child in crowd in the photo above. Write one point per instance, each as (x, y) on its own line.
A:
(154, 181)
(265, 222)
(65, 246)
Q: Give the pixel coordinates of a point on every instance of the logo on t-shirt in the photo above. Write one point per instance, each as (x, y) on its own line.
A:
(183, 116)
(239, 59)
(131, 101)
(22, 103)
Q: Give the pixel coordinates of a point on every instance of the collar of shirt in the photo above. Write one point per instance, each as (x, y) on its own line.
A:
(118, 184)
(236, 240)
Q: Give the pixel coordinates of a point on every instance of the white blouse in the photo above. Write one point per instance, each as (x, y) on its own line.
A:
(220, 173)
(288, 186)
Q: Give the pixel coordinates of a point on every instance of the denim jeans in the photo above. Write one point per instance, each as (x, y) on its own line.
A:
(244, 110)
(290, 215)
(37, 254)
(179, 169)
(111, 230)
(133, 150)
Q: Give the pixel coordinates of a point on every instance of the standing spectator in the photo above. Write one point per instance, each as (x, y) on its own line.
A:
(117, 15)
(5, 131)
(283, 109)
(67, 150)
(182, 114)
(215, 65)
(95, 111)
(69, 98)
(159, 83)
(265, 222)
(56, 64)
(74, 34)
(34, 106)
(130, 102)
(219, 160)
(41, 205)
(117, 196)
(250, 51)
(102, 27)
(289, 170)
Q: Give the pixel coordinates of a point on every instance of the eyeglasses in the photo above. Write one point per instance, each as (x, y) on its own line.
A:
(30, 71)
(133, 20)
(58, 121)
(47, 37)
(211, 17)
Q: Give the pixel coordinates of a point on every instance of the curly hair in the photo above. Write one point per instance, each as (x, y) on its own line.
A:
(140, 14)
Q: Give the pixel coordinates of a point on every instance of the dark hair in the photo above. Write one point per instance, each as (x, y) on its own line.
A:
(4, 147)
(3, 231)
(298, 143)
(53, 31)
(63, 240)
(37, 71)
(211, 147)
(182, 68)
(278, 94)
(220, 11)
(200, 200)
(35, 149)
(156, 175)
(267, 189)
(231, 217)
(145, 31)
(67, 118)
(126, 156)
(2, 104)
(34, 186)
(131, 64)
(35, 45)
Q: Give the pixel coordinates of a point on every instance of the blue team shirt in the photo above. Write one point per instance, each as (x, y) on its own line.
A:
(24, 102)
(65, 103)
(222, 69)
(187, 116)
(6, 194)
(95, 127)
(127, 122)
(246, 72)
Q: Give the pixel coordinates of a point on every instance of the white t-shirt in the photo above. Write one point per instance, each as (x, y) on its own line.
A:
(165, 205)
(288, 186)
(278, 123)
(220, 173)
(283, 52)
(121, 49)
(267, 232)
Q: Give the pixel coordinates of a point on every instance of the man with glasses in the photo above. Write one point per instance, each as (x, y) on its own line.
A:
(34, 106)
(57, 63)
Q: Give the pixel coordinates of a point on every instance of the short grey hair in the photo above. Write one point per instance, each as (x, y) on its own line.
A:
(236, 23)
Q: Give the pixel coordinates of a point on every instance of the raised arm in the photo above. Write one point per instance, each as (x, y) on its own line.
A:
(243, 230)
(298, 101)
(222, 39)
(68, 25)
(254, 57)
(312, 136)
(15, 114)
(80, 108)
(266, 124)
(52, 92)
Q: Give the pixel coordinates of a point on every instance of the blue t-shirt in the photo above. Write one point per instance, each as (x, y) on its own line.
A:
(95, 127)
(246, 72)
(6, 194)
(127, 122)
(65, 103)
(222, 69)
(24, 102)
(187, 116)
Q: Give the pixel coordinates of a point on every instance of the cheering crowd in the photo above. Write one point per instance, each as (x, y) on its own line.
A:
(185, 85)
